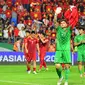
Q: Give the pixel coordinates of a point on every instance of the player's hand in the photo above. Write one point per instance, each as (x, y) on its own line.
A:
(38, 53)
(58, 10)
(39, 35)
(80, 42)
(71, 7)
(83, 41)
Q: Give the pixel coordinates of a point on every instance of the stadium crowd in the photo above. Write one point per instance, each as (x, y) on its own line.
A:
(18, 16)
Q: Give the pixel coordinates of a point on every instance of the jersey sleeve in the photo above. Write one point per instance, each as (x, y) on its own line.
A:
(57, 28)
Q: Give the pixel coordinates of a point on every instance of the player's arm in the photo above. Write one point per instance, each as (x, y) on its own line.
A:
(71, 45)
(38, 49)
(58, 11)
(56, 24)
(26, 47)
(22, 46)
(83, 41)
(44, 41)
(77, 43)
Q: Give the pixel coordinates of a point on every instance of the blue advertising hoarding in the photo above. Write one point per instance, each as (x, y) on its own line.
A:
(19, 57)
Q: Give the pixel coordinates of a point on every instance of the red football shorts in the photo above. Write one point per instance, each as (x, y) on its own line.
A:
(27, 57)
(33, 56)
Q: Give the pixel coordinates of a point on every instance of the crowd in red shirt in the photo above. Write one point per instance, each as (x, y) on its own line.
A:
(35, 14)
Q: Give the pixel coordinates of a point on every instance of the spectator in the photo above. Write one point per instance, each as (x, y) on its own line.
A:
(5, 34)
(14, 18)
(81, 7)
(20, 25)
(22, 32)
(16, 33)
(3, 16)
(17, 47)
(51, 47)
(26, 4)
(46, 21)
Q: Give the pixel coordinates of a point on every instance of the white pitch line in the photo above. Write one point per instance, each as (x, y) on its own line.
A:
(18, 82)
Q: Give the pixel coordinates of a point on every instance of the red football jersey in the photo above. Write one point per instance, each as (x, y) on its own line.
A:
(43, 46)
(32, 45)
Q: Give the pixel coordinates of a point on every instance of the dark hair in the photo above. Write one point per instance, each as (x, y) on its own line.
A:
(44, 34)
(81, 27)
(61, 20)
(27, 31)
(32, 32)
(41, 32)
(18, 38)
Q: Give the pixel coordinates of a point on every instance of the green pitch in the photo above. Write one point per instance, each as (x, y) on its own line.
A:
(17, 75)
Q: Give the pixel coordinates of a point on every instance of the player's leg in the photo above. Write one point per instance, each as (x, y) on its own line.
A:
(28, 67)
(57, 61)
(34, 62)
(34, 66)
(44, 63)
(80, 63)
(80, 68)
(84, 62)
(67, 71)
(84, 69)
(41, 59)
(59, 73)
(59, 70)
(41, 64)
(67, 61)
(28, 62)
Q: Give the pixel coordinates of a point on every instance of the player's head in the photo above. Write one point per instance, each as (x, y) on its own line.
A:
(33, 34)
(42, 34)
(63, 23)
(81, 30)
(27, 33)
(19, 39)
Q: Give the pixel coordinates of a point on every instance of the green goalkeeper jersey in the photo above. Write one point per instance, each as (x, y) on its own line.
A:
(63, 38)
(78, 39)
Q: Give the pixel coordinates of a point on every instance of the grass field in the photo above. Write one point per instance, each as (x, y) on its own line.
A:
(17, 75)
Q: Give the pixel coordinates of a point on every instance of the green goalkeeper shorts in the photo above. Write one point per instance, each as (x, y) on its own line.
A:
(62, 57)
(81, 56)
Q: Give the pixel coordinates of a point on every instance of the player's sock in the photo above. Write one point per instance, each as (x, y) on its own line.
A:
(84, 69)
(80, 71)
(28, 68)
(34, 69)
(59, 72)
(41, 64)
(44, 64)
(67, 71)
